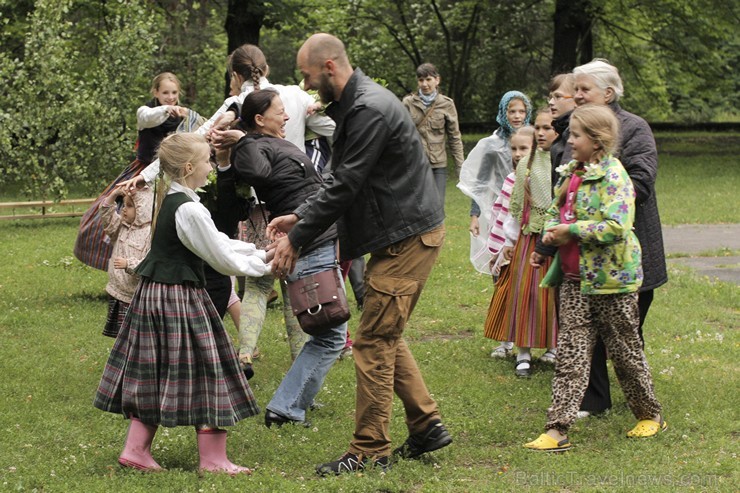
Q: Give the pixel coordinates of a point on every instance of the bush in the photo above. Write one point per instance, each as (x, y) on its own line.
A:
(65, 114)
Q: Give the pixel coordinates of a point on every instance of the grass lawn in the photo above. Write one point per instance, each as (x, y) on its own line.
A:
(52, 310)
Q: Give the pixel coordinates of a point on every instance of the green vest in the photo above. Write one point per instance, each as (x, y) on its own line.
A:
(169, 261)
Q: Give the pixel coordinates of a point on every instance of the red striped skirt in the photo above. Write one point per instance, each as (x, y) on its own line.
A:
(520, 310)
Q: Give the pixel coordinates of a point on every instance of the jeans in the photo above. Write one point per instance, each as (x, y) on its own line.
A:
(305, 377)
(440, 180)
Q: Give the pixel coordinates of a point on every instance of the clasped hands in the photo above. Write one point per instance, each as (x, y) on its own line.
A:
(557, 235)
(285, 254)
(222, 135)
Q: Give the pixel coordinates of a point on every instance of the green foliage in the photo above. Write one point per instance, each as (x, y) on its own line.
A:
(192, 44)
(64, 112)
(14, 22)
(678, 58)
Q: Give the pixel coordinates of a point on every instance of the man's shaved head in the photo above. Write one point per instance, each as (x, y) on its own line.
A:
(321, 47)
(323, 63)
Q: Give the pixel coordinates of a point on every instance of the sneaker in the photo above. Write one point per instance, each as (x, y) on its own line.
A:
(583, 414)
(434, 438)
(504, 350)
(549, 357)
(350, 462)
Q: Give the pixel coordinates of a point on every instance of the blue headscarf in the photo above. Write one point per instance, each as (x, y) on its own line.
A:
(504, 105)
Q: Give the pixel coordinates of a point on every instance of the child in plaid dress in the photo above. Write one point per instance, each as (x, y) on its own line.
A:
(173, 363)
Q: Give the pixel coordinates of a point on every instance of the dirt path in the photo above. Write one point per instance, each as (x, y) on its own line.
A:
(696, 239)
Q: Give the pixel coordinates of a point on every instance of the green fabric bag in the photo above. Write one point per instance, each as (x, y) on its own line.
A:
(554, 276)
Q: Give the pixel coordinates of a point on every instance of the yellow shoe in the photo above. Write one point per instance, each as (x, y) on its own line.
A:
(647, 428)
(546, 443)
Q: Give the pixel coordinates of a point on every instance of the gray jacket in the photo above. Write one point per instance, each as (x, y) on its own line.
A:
(381, 190)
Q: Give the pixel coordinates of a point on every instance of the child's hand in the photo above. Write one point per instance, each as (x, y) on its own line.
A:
(507, 252)
(536, 260)
(314, 108)
(557, 235)
(120, 263)
(177, 111)
(492, 262)
(474, 226)
(110, 199)
(495, 266)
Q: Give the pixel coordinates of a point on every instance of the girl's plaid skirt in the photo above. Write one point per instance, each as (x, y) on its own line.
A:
(116, 314)
(173, 363)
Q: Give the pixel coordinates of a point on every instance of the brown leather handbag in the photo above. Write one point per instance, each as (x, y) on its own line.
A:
(319, 301)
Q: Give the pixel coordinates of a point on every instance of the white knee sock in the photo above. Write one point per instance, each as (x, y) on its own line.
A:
(523, 354)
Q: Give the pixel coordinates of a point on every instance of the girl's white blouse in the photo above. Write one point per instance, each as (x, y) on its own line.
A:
(197, 232)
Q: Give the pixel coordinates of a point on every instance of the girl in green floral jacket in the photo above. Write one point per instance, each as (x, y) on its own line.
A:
(600, 268)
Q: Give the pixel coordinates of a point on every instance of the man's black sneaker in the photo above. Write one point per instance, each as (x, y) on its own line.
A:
(350, 462)
(434, 438)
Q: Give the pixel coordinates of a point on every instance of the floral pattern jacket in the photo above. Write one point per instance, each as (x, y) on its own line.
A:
(610, 254)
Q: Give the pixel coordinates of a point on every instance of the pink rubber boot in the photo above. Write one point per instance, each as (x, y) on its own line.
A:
(212, 450)
(137, 449)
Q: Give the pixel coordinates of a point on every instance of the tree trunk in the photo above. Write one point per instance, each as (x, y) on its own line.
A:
(244, 19)
(572, 43)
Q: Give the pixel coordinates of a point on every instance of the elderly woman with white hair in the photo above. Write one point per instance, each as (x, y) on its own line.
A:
(599, 82)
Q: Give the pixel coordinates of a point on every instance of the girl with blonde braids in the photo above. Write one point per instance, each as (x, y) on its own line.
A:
(523, 313)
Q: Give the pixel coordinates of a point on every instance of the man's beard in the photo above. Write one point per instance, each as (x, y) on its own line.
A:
(326, 89)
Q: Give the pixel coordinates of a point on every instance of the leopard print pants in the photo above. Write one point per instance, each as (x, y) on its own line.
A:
(615, 318)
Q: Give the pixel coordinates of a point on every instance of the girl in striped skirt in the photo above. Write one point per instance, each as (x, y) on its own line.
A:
(520, 310)
(173, 363)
